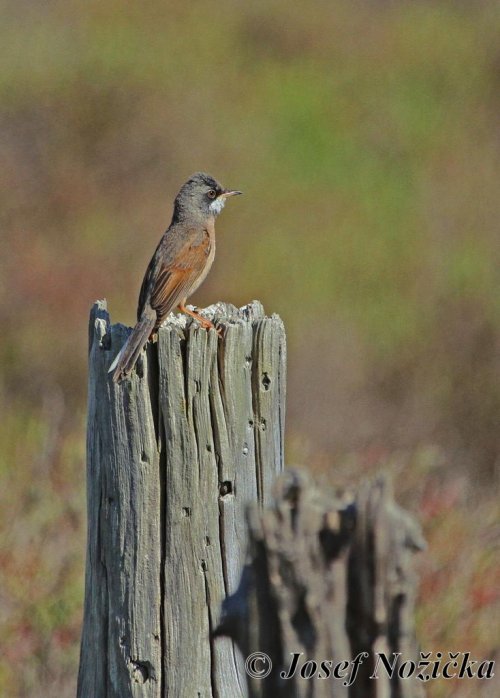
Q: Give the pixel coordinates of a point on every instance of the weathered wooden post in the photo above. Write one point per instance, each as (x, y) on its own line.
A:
(174, 456)
(328, 580)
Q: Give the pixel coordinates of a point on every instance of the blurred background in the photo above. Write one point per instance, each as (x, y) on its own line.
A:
(366, 137)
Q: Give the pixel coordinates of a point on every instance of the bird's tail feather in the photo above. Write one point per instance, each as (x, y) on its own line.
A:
(129, 353)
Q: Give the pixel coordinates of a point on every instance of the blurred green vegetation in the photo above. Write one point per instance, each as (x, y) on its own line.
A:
(365, 136)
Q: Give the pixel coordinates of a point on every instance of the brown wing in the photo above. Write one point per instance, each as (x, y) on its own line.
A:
(179, 260)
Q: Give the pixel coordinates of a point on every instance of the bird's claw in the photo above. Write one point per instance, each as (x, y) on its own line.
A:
(205, 324)
(208, 325)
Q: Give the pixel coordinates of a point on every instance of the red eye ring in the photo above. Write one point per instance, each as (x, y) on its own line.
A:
(212, 194)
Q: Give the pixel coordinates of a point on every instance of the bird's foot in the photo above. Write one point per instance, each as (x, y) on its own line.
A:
(204, 322)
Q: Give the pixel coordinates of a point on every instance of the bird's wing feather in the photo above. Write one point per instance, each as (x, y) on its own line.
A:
(177, 263)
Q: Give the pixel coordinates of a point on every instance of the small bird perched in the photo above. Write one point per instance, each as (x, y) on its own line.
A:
(179, 265)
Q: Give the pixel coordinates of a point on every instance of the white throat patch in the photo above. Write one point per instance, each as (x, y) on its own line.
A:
(217, 205)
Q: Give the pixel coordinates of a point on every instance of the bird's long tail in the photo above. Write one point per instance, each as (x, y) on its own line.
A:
(129, 353)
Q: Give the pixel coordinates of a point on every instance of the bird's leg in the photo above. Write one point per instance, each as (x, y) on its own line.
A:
(204, 322)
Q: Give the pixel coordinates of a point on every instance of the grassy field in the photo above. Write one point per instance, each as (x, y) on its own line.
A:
(365, 136)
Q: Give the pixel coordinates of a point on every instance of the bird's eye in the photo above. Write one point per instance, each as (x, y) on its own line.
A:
(212, 194)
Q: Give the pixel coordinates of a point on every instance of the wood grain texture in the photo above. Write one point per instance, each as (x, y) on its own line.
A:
(174, 456)
(327, 578)
(382, 588)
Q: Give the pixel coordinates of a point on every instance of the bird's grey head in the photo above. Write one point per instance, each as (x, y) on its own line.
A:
(201, 196)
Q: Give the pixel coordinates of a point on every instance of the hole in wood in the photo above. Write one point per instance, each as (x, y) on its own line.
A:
(226, 488)
(141, 671)
(105, 342)
(266, 381)
(186, 511)
(302, 623)
(139, 367)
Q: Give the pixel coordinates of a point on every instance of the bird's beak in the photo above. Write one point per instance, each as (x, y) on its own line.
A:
(230, 192)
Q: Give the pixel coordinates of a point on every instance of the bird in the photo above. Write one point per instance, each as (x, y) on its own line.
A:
(179, 265)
